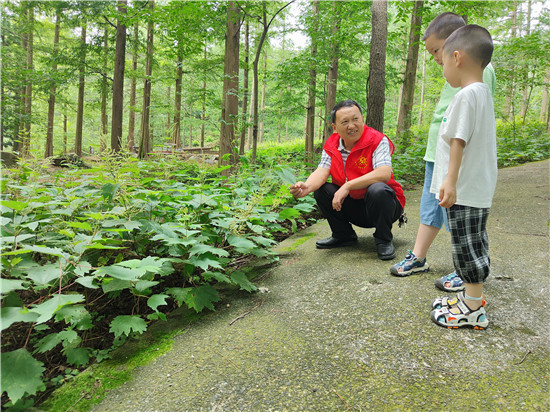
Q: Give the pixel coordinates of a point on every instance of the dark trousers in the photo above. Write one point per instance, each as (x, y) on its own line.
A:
(379, 209)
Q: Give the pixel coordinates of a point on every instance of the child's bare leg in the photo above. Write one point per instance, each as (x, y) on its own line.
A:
(424, 239)
(473, 290)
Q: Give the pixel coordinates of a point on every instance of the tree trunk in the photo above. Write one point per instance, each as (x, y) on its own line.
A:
(377, 66)
(509, 100)
(265, 29)
(409, 81)
(81, 84)
(310, 108)
(245, 86)
(177, 102)
(191, 123)
(544, 102)
(230, 98)
(145, 139)
(133, 84)
(203, 112)
(332, 75)
(118, 80)
(262, 105)
(65, 121)
(51, 101)
(526, 91)
(423, 89)
(168, 115)
(104, 117)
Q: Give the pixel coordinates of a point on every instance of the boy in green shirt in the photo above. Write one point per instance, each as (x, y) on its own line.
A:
(432, 215)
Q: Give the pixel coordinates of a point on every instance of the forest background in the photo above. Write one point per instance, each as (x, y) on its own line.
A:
(91, 256)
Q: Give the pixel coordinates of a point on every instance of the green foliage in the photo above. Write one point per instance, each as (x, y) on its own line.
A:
(152, 235)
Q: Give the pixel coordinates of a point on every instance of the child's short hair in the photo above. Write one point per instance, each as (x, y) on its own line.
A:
(474, 40)
(443, 25)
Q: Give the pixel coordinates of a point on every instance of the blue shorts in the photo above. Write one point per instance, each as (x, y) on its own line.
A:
(431, 213)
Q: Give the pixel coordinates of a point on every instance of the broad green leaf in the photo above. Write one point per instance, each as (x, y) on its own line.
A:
(48, 342)
(264, 241)
(69, 338)
(119, 272)
(47, 309)
(97, 245)
(109, 190)
(20, 238)
(9, 315)
(131, 225)
(87, 281)
(157, 300)
(77, 356)
(178, 294)
(14, 205)
(141, 285)
(21, 374)
(7, 285)
(288, 213)
(45, 250)
(110, 284)
(80, 225)
(201, 249)
(126, 324)
(75, 315)
(241, 279)
(287, 175)
(150, 264)
(82, 268)
(42, 275)
(220, 277)
(201, 297)
(205, 261)
(241, 244)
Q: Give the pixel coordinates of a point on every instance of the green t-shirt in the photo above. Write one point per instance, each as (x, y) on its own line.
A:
(447, 95)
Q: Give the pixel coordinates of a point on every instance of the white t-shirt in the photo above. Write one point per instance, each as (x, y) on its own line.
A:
(469, 117)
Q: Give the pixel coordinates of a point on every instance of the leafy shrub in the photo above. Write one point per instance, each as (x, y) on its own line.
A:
(142, 236)
(519, 142)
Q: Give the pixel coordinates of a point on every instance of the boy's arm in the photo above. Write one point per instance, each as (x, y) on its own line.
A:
(447, 193)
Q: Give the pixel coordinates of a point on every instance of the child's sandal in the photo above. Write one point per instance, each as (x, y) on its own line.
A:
(460, 315)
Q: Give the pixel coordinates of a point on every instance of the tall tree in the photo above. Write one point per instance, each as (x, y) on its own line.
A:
(409, 80)
(118, 78)
(509, 102)
(145, 138)
(51, 101)
(310, 108)
(27, 41)
(265, 23)
(245, 86)
(81, 91)
(104, 91)
(332, 75)
(230, 102)
(177, 101)
(262, 104)
(377, 66)
(133, 84)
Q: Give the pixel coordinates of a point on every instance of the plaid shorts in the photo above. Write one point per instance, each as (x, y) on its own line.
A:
(470, 244)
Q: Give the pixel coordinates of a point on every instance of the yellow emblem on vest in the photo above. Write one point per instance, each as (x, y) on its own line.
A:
(362, 162)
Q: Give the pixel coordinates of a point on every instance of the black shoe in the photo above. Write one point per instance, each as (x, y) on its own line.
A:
(332, 242)
(385, 250)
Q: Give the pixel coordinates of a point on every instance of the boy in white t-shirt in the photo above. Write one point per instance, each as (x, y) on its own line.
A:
(465, 173)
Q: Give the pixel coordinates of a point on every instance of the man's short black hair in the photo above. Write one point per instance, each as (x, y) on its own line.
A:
(443, 25)
(474, 40)
(344, 103)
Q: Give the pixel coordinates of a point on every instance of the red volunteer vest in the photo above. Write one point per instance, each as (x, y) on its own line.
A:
(359, 162)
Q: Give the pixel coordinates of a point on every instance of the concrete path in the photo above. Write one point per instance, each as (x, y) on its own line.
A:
(337, 332)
